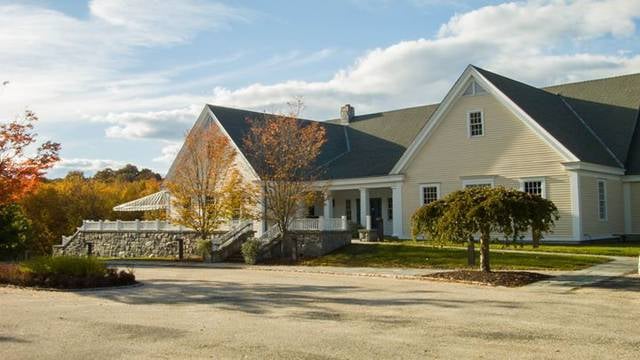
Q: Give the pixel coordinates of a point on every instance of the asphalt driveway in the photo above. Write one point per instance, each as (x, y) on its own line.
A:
(239, 313)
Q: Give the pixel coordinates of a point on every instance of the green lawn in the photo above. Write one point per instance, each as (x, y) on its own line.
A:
(609, 248)
(416, 255)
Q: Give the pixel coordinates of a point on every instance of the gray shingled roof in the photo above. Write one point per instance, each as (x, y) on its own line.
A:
(611, 108)
(236, 123)
(554, 115)
(596, 120)
(376, 141)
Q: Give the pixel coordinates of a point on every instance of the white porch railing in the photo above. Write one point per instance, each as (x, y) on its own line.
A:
(320, 224)
(135, 225)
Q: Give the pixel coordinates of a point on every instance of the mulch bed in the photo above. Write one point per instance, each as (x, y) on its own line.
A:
(499, 278)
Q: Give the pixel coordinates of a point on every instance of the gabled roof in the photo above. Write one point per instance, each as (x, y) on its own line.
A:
(236, 123)
(558, 116)
(611, 108)
(597, 121)
(369, 146)
(378, 140)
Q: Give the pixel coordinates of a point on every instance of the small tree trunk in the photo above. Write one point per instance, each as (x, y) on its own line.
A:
(471, 252)
(484, 252)
(294, 248)
(535, 238)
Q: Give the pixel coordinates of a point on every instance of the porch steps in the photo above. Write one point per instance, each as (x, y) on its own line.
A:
(227, 246)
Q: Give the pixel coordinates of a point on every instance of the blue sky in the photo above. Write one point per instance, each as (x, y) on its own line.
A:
(120, 81)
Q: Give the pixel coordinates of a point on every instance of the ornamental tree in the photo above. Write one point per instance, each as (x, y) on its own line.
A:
(20, 168)
(284, 151)
(485, 211)
(205, 185)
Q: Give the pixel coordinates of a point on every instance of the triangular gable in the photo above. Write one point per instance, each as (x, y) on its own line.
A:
(472, 74)
(208, 118)
(558, 117)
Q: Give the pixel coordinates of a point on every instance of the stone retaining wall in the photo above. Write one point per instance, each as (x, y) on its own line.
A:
(128, 244)
(123, 244)
(310, 244)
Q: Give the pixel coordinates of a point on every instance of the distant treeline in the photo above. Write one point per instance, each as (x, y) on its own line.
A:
(57, 207)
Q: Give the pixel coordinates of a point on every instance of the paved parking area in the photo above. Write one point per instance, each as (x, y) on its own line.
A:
(239, 313)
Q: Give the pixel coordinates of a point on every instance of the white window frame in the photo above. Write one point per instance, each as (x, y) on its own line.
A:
(421, 193)
(543, 184)
(606, 200)
(481, 123)
(483, 181)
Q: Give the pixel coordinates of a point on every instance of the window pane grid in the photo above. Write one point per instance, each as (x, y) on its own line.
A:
(602, 201)
(475, 124)
(429, 194)
(533, 187)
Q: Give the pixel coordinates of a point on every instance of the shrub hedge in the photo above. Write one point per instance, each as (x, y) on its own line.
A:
(64, 272)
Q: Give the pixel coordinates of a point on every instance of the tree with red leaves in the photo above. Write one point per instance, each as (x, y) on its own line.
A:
(20, 168)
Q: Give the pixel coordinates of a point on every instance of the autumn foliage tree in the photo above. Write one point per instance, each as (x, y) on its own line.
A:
(57, 207)
(284, 151)
(20, 170)
(205, 186)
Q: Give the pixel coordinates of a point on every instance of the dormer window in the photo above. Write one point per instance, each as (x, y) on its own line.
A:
(475, 122)
(474, 89)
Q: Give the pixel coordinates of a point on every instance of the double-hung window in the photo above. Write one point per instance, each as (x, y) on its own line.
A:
(602, 200)
(535, 186)
(475, 121)
(429, 193)
(390, 208)
(347, 207)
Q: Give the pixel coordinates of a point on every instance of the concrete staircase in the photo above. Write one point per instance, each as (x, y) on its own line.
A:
(227, 247)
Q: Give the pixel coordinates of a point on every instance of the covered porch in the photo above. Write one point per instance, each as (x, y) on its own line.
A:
(369, 202)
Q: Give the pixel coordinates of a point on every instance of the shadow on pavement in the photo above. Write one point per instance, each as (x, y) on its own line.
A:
(267, 297)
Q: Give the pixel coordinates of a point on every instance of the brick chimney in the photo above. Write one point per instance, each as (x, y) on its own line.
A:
(347, 112)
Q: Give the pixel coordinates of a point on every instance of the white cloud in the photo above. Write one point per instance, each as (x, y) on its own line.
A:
(164, 124)
(149, 22)
(70, 69)
(88, 166)
(169, 152)
(520, 39)
(66, 67)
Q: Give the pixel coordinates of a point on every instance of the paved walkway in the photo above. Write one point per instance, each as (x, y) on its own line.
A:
(571, 280)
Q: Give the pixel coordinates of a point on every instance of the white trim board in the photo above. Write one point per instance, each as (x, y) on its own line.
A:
(357, 183)
(478, 181)
(595, 168)
(541, 179)
(421, 192)
(447, 103)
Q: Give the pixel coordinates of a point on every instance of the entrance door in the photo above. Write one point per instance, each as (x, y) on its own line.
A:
(375, 210)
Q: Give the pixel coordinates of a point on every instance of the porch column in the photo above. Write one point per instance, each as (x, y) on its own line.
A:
(328, 206)
(364, 205)
(574, 181)
(396, 199)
